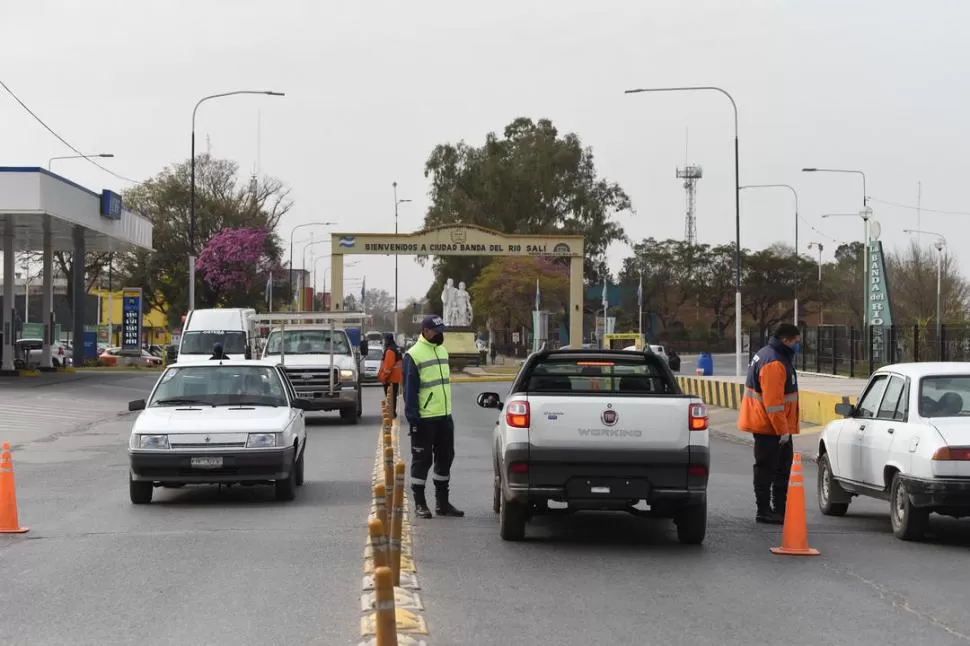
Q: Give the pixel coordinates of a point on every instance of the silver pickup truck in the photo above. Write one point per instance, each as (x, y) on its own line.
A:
(599, 430)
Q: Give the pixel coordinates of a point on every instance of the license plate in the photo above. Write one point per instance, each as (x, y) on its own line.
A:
(600, 490)
(206, 463)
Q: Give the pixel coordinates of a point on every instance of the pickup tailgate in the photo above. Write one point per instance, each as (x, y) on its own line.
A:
(612, 417)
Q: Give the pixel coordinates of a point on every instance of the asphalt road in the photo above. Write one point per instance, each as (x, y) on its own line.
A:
(615, 579)
(199, 565)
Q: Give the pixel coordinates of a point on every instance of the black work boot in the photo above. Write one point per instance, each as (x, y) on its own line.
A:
(420, 503)
(442, 506)
(765, 514)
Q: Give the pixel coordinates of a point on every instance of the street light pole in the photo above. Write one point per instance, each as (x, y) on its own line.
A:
(396, 256)
(192, 182)
(865, 214)
(295, 229)
(940, 245)
(820, 247)
(795, 193)
(739, 364)
(51, 161)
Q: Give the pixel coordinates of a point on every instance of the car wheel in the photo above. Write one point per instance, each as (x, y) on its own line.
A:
(286, 489)
(691, 524)
(512, 516)
(827, 487)
(349, 415)
(140, 491)
(298, 467)
(909, 522)
(496, 494)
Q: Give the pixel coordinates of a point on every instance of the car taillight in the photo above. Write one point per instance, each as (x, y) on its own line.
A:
(517, 414)
(697, 417)
(952, 454)
(696, 471)
(519, 467)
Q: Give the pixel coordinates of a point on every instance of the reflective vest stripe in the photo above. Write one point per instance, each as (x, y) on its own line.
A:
(431, 362)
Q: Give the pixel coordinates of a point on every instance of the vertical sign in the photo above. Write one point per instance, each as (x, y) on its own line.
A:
(131, 319)
(879, 314)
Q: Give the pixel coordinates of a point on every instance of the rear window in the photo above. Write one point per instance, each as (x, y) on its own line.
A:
(947, 396)
(633, 374)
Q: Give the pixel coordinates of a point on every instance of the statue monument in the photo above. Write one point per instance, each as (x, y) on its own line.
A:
(456, 305)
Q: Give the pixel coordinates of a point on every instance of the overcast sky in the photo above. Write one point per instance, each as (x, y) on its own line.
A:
(372, 87)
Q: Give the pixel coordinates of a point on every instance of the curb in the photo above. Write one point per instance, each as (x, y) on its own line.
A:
(412, 626)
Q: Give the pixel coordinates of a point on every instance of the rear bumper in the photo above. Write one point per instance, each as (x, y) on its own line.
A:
(938, 492)
(259, 465)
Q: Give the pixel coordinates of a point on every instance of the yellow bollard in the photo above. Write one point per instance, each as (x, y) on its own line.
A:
(380, 502)
(397, 522)
(389, 478)
(386, 621)
(388, 441)
(378, 541)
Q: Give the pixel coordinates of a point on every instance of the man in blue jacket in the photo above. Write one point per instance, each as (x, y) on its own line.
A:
(427, 407)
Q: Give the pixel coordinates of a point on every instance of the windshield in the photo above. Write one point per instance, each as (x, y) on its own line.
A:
(219, 385)
(201, 342)
(375, 354)
(308, 342)
(945, 396)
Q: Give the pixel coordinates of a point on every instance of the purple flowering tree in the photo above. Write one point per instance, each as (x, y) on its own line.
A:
(236, 263)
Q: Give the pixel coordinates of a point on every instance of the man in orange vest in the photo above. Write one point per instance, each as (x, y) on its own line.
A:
(769, 410)
(391, 373)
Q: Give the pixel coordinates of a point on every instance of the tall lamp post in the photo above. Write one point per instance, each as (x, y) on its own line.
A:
(192, 182)
(866, 215)
(397, 202)
(739, 364)
(795, 193)
(295, 229)
(51, 161)
(940, 245)
(820, 247)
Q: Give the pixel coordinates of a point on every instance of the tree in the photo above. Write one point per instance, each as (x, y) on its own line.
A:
(222, 202)
(237, 263)
(667, 268)
(531, 180)
(912, 286)
(379, 304)
(769, 284)
(712, 285)
(505, 291)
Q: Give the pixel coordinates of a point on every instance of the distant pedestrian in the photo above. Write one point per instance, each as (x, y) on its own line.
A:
(494, 352)
(769, 410)
(391, 373)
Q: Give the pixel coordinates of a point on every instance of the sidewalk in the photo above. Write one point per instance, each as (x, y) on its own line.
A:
(724, 424)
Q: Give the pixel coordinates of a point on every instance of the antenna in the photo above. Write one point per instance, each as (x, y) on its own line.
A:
(690, 174)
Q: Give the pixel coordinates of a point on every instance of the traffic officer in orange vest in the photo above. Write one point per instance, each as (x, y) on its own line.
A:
(391, 373)
(769, 410)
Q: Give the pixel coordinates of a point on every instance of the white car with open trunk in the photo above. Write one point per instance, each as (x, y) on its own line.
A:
(906, 441)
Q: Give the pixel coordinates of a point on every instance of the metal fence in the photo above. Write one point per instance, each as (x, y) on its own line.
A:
(844, 350)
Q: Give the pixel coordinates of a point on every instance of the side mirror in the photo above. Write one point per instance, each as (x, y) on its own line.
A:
(489, 400)
(136, 404)
(844, 409)
(300, 404)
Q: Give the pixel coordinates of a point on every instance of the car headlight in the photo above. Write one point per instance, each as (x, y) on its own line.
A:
(347, 374)
(153, 441)
(262, 440)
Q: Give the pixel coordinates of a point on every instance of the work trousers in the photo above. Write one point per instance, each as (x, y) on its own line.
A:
(397, 388)
(432, 443)
(772, 467)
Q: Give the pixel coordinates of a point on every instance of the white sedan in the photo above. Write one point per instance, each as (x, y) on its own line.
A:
(906, 441)
(218, 422)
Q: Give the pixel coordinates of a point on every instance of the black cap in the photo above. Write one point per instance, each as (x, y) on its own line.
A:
(433, 322)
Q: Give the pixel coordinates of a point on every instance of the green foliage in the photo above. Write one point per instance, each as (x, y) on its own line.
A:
(529, 180)
(222, 202)
(505, 290)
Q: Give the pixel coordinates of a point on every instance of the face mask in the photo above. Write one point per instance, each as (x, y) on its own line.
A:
(798, 346)
(438, 338)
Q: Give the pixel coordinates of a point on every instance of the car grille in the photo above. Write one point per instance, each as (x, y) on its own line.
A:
(312, 379)
(211, 445)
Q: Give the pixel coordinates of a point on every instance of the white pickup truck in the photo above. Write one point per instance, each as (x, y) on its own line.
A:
(599, 430)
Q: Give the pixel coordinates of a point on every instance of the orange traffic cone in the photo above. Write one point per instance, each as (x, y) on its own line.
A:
(794, 535)
(8, 495)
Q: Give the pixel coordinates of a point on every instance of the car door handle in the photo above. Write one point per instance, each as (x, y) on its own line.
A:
(862, 427)
(890, 430)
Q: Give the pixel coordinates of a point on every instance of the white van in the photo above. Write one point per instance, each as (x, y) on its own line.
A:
(233, 328)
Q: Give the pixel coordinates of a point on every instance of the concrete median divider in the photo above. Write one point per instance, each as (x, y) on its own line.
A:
(816, 406)
(391, 607)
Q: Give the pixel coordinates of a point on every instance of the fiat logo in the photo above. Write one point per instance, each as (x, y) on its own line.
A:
(609, 417)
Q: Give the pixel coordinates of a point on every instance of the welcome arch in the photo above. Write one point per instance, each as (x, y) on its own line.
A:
(464, 240)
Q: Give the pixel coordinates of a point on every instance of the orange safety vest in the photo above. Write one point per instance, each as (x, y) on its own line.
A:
(392, 368)
(770, 402)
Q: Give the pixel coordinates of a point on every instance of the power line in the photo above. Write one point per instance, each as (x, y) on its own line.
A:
(919, 208)
(60, 138)
(821, 233)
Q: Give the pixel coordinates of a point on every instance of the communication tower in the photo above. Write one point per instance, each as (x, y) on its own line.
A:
(690, 174)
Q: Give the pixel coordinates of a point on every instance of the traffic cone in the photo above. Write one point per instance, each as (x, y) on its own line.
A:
(8, 495)
(794, 535)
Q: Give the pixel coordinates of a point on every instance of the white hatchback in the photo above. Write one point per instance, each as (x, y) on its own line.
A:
(906, 441)
(219, 422)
